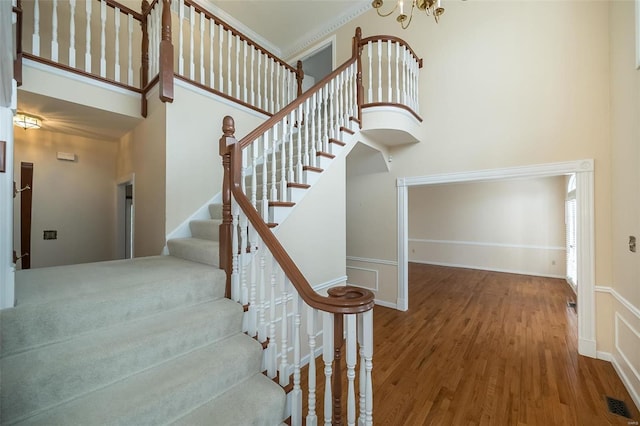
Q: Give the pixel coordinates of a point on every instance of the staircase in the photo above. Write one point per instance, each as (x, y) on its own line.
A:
(133, 342)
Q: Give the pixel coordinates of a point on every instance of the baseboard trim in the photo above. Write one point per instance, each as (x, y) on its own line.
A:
(386, 304)
(626, 382)
(482, 268)
(604, 356)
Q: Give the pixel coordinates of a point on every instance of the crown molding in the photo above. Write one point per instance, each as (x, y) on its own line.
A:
(229, 19)
(317, 34)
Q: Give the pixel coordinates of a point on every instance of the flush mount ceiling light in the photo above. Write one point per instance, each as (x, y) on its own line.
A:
(429, 7)
(27, 121)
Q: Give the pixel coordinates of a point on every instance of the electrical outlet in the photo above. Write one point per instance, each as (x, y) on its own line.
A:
(553, 263)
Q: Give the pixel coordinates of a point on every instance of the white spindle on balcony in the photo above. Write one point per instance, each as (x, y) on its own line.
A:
(130, 50)
(202, 21)
(103, 38)
(116, 70)
(220, 61)
(237, 66)
(54, 32)
(212, 76)
(181, 37)
(72, 33)
(229, 42)
(35, 41)
(245, 81)
(192, 24)
(379, 82)
(273, 195)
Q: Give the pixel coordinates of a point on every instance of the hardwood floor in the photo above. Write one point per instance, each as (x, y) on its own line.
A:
(485, 348)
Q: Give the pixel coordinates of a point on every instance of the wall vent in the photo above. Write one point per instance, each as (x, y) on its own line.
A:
(618, 407)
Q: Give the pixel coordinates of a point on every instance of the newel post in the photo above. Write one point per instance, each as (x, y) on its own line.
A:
(144, 53)
(357, 52)
(226, 143)
(17, 63)
(166, 55)
(299, 76)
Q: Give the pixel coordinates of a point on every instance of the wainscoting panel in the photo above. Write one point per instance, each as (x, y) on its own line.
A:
(626, 356)
(378, 275)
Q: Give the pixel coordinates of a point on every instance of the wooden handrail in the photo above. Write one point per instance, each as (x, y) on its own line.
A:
(124, 9)
(350, 300)
(17, 63)
(392, 39)
(243, 37)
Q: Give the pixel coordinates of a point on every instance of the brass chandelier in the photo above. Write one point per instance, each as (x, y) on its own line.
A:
(429, 7)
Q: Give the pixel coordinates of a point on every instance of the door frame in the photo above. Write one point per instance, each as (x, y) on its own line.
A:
(121, 193)
(583, 170)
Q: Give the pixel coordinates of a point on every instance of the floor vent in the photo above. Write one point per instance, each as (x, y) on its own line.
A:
(571, 304)
(618, 407)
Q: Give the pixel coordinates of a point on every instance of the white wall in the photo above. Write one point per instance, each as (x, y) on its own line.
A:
(76, 198)
(621, 322)
(512, 225)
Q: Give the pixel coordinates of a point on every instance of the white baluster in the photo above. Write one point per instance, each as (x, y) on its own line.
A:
(305, 124)
(253, 92)
(272, 366)
(181, 37)
(266, 99)
(362, 375)
(370, 75)
(263, 300)
(332, 108)
(319, 138)
(327, 357)
(117, 61)
(192, 24)
(220, 62)
(283, 370)
(325, 114)
(404, 75)
(299, 146)
(212, 32)
(235, 247)
(54, 32)
(278, 87)
(296, 393)
(367, 320)
(283, 161)
(229, 40)
(244, 260)
(103, 38)
(259, 76)
(292, 120)
(312, 419)
(252, 317)
(35, 42)
(350, 323)
(202, 79)
(397, 75)
(312, 118)
(237, 67)
(130, 51)
(379, 71)
(340, 81)
(274, 144)
(265, 176)
(389, 94)
(245, 81)
(72, 33)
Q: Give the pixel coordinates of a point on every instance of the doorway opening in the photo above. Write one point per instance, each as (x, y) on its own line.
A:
(585, 251)
(125, 215)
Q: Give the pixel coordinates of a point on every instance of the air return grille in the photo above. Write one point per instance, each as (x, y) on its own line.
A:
(618, 407)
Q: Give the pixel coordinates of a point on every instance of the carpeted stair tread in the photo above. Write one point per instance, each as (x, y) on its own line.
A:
(51, 374)
(259, 400)
(205, 229)
(163, 393)
(195, 250)
(106, 293)
(215, 211)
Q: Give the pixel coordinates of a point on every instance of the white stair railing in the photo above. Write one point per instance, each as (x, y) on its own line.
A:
(393, 73)
(215, 56)
(296, 324)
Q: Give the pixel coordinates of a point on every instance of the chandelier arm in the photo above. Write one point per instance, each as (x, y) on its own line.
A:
(384, 15)
(404, 27)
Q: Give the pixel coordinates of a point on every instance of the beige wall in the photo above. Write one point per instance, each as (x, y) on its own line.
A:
(623, 319)
(141, 155)
(76, 198)
(194, 165)
(511, 225)
(496, 92)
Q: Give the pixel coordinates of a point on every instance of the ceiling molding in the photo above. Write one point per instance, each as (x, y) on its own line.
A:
(229, 19)
(317, 34)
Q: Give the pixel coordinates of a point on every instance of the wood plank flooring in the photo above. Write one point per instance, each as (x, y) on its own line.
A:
(486, 348)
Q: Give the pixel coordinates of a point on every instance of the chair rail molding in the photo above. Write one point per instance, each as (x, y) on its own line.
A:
(583, 169)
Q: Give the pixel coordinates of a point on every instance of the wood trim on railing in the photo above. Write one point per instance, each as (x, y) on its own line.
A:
(80, 72)
(243, 37)
(354, 300)
(166, 55)
(392, 39)
(395, 105)
(124, 9)
(247, 140)
(221, 94)
(145, 91)
(357, 53)
(17, 63)
(147, 10)
(144, 57)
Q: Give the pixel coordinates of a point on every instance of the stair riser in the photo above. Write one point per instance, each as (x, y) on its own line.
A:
(206, 230)
(208, 255)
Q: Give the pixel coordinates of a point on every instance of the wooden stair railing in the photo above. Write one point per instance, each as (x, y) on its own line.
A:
(346, 310)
